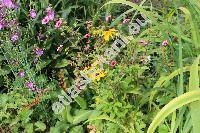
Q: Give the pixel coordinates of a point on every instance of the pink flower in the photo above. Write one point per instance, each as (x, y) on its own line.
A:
(50, 13)
(48, 9)
(86, 47)
(29, 85)
(108, 18)
(14, 37)
(45, 20)
(1, 25)
(58, 23)
(87, 35)
(32, 13)
(21, 73)
(143, 42)
(165, 43)
(125, 21)
(8, 4)
(113, 63)
(39, 52)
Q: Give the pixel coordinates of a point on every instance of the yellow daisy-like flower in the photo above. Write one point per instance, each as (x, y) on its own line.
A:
(109, 33)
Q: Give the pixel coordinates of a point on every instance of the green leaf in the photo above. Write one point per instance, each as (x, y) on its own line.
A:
(133, 5)
(82, 116)
(62, 125)
(42, 64)
(29, 128)
(25, 115)
(66, 115)
(66, 12)
(82, 103)
(4, 71)
(194, 86)
(194, 27)
(163, 80)
(172, 106)
(133, 91)
(77, 129)
(54, 130)
(62, 63)
(40, 126)
(105, 117)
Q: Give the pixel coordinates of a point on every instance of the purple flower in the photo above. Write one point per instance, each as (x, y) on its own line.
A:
(29, 85)
(39, 51)
(32, 13)
(50, 13)
(1, 25)
(8, 4)
(21, 73)
(14, 37)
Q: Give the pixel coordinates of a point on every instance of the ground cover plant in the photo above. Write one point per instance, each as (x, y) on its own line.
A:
(150, 85)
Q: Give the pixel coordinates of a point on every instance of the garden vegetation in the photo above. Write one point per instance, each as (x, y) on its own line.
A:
(99, 66)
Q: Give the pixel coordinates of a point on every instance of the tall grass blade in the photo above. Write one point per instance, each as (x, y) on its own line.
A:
(194, 86)
(192, 25)
(133, 5)
(172, 106)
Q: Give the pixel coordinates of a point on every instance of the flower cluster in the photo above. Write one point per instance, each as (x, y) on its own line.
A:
(96, 75)
(50, 15)
(8, 4)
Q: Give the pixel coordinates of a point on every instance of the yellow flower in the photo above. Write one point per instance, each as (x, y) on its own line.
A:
(97, 100)
(97, 78)
(97, 32)
(108, 34)
(96, 75)
(102, 74)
